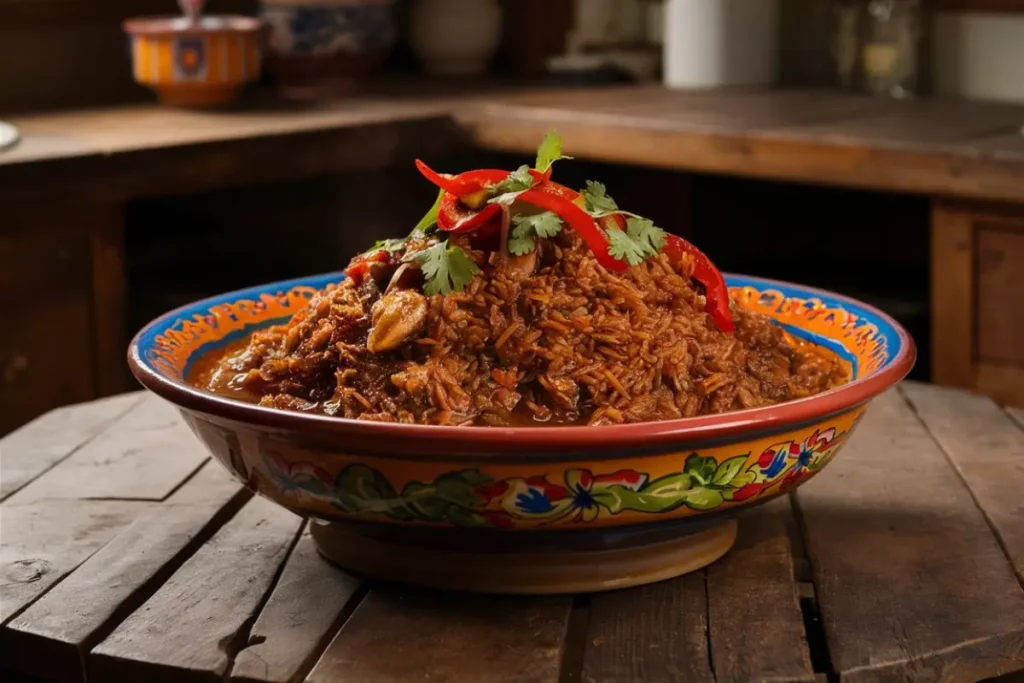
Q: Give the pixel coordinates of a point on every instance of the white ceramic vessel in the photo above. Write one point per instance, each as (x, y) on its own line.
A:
(455, 37)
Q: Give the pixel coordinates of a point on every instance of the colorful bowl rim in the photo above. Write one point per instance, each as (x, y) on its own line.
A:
(178, 25)
(637, 437)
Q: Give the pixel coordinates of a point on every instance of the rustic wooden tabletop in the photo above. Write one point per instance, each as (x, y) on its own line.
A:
(126, 555)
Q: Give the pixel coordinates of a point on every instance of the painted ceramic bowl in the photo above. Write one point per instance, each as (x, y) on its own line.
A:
(525, 509)
(201, 63)
(319, 48)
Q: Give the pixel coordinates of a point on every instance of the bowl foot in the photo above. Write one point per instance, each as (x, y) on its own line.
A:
(553, 571)
(197, 96)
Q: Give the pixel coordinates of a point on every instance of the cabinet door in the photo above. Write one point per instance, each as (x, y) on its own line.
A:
(1000, 306)
(45, 335)
(978, 300)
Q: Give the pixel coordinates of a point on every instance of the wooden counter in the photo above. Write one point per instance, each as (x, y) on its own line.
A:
(967, 157)
(128, 555)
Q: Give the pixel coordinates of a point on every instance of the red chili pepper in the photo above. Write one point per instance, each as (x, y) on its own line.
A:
(360, 265)
(464, 183)
(551, 198)
(453, 216)
(716, 293)
(472, 181)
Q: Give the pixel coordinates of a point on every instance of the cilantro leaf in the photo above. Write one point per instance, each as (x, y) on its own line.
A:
(549, 152)
(621, 247)
(597, 200)
(517, 181)
(640, 240)
(446, 268)
(643, 231)
(520, 244)
(390, 245)
(527, 228)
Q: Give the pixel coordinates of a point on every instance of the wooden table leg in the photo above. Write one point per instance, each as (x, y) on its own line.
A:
(106, 244)
(952, 295)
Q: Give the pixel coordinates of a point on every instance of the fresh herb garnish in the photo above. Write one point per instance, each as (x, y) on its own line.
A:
(517, 181)
(390, 245)
(640, 240)
(646, 233)
(528, 228)
(446, 268)
(429, 218)
(597, 201)
(549, 152)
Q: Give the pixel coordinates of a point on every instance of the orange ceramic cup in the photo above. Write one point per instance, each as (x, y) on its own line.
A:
(200, 63)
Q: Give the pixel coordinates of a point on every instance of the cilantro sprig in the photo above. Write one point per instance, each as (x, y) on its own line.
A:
(596, 200)
(549, 152)
(523, 239)
(446, 268)
(640, 240)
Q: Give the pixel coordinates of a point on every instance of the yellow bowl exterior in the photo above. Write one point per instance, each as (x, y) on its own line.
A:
(218, 59)
(621, 490)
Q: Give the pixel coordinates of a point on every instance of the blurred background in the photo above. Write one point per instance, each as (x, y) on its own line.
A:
(871, 147)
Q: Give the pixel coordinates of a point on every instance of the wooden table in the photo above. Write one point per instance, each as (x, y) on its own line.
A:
(127, 555)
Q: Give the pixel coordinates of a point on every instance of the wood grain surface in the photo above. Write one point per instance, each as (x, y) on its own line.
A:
(987, 449)
(396, 636)
(756, 627)
(900, 562)
(40, 543)
(911, 582)
(936, 147)
(188, 629)
(51, 638)
(41, 444)
(651, 634)
(145, 455)
(307, 607)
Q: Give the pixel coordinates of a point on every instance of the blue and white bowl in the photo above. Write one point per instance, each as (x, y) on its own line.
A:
(326, 46)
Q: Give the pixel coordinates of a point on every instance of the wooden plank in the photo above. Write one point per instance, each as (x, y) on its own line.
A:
(40, 543)
(756, 626)
(51, 638)
(925, 148)
(301, 615)
(911, 583)
(41, 444)
(650, 634)
(997, 6)
(143, 456)
(952, 296)
(186, 631)
(987, 449)
(395, 637)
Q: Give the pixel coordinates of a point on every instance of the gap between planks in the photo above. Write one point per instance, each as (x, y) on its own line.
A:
(52, 635)
(981, 434)
(41, 446)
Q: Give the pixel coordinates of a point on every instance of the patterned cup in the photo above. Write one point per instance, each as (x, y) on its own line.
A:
(200, 63)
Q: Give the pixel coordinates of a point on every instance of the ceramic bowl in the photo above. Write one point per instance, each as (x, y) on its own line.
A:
(525, 509)
(204, 63)
(319, 48)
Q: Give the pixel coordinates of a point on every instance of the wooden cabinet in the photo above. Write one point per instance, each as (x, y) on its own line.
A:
(978, 299)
